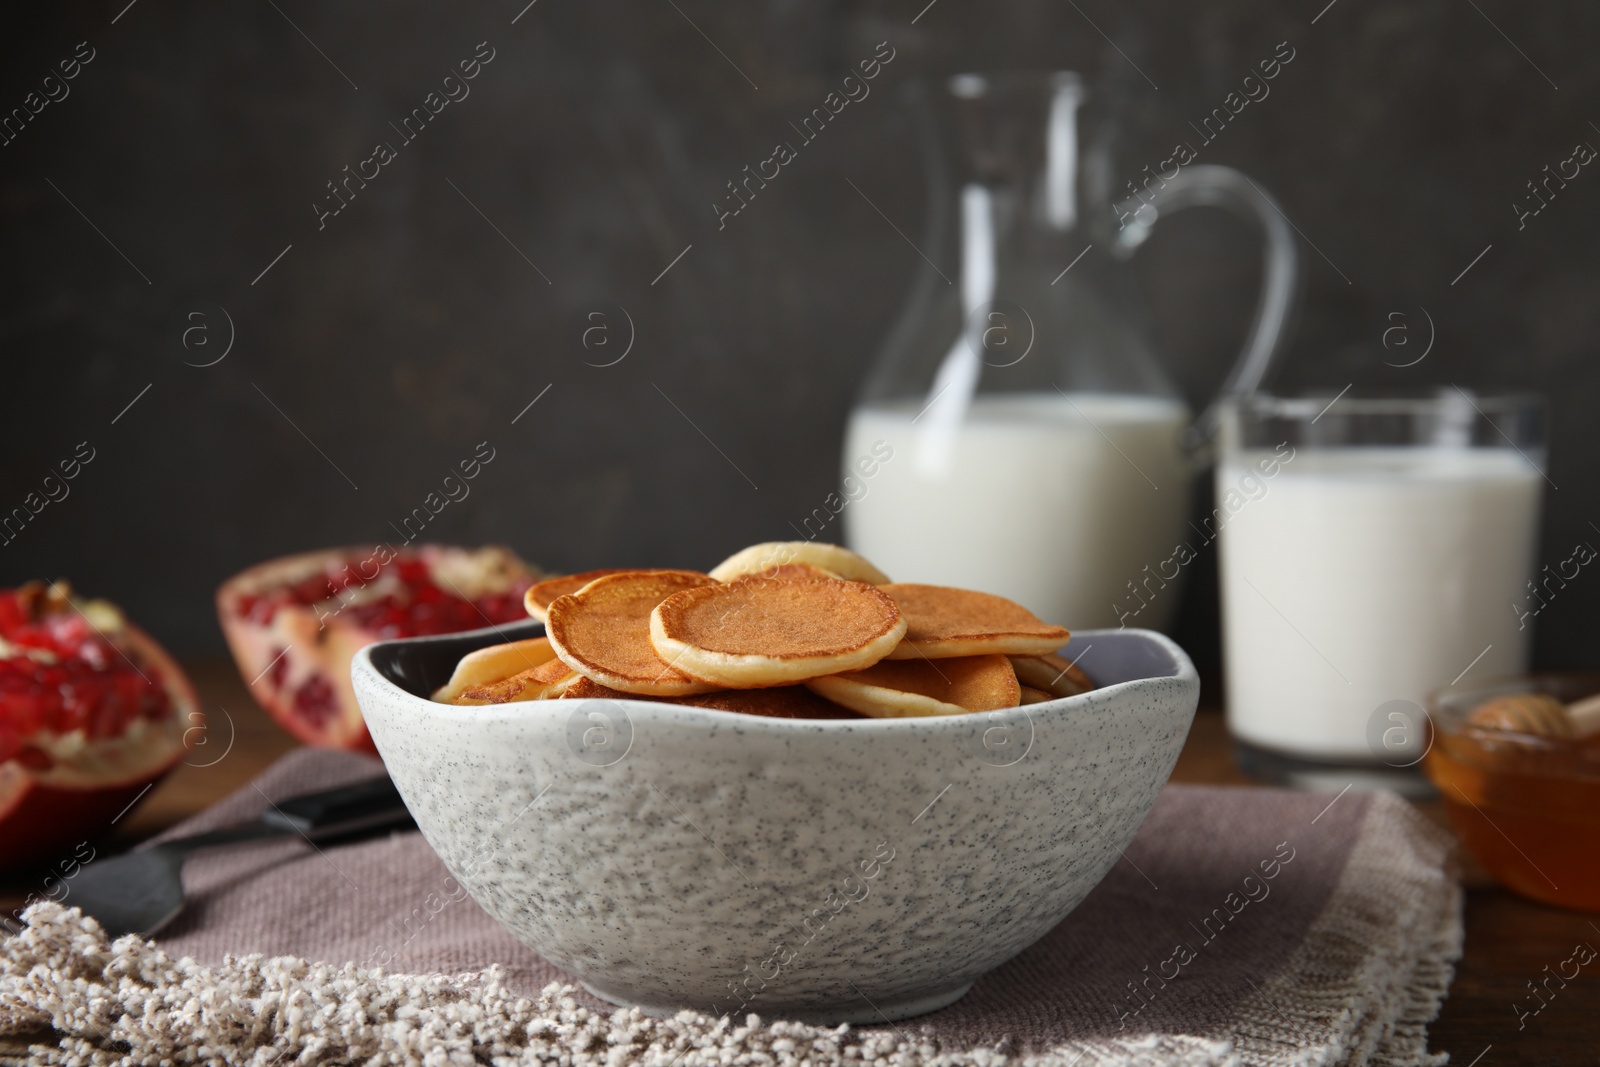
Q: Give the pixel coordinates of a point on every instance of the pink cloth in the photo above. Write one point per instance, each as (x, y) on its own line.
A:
(1184, 936)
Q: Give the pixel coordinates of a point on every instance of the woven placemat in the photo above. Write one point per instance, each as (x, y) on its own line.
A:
(1187, 953)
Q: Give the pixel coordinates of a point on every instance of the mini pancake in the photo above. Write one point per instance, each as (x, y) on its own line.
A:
(493, 664)
(541, 683)
(760, 632)
(942, 622)
(776, 702)
(553, 679)
(518, 687)
(787, 571)
(902, 688)
(1052, 673)
(1031, 695)
(761, 559)
(539, 595)
(588, 689)
(603, 631)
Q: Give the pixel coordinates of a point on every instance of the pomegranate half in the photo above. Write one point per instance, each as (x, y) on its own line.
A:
(92, 712)
(295, 623)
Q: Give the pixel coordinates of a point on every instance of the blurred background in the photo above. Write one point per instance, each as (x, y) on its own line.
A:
(174, 206)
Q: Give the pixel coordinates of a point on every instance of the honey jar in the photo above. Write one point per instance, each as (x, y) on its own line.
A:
(1517, 765)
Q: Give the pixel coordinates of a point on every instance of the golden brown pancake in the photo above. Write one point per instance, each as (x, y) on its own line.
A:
(539, 595)
(603, 631)
(589, 689)
(1052, 673)
(519, 686)
(901, 688)
(1031, 695)
(761, 559)
(760, 632)
(775, 702)
(787, 571)
(493, 664)
(942, 622)
(541, 683)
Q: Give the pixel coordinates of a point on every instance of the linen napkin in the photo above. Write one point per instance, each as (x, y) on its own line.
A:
(1189, 952)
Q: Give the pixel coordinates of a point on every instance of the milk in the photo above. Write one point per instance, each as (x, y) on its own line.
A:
(1365, 575)
(1057, 502)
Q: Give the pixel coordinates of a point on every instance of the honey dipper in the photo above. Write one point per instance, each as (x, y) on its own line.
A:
(1539, 714)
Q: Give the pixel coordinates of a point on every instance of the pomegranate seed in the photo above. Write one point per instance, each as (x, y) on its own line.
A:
(280, 667)
(92, 685)
(314, 701)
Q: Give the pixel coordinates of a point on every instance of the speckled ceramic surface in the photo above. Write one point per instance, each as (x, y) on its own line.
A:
(832, 871)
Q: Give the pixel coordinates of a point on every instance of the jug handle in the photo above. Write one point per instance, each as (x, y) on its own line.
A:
(1210, 185)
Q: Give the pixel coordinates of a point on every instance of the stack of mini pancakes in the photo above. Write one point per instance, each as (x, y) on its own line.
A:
(785, 629)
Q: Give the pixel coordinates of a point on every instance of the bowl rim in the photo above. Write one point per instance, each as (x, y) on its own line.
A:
(363, 670)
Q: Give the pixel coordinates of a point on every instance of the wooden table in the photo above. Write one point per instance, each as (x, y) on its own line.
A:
(1509, 940)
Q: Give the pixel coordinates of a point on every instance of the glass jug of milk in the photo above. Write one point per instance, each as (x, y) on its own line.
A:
(1017, 434)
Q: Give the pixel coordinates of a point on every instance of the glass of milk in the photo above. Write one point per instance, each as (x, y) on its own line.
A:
(1372, 549)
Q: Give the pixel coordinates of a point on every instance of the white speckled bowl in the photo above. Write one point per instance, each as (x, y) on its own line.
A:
(829, 871)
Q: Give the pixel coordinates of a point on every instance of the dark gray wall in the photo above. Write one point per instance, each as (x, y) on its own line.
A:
(408, 329)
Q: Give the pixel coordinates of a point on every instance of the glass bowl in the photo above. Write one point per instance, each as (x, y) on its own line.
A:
(1526, 806)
